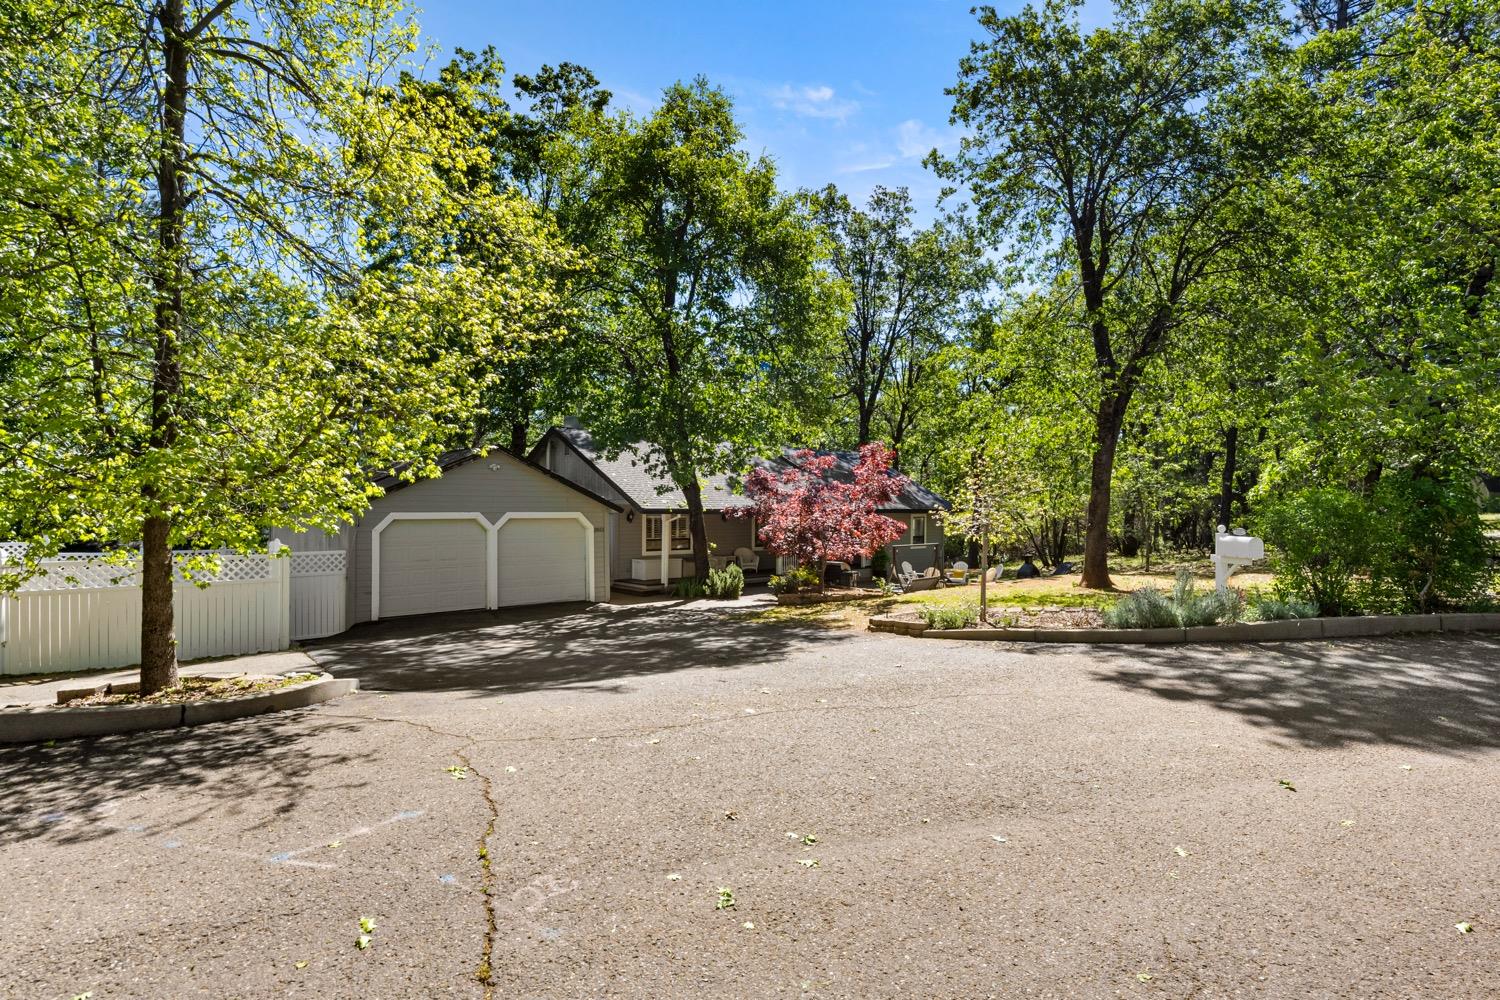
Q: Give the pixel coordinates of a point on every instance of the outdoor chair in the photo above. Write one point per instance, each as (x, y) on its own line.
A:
(958, 572)
(906, 575)
(748, 560)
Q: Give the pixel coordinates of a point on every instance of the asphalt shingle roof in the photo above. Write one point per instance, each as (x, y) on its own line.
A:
(628, 472)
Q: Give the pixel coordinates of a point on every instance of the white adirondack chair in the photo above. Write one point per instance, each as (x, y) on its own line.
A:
(958, 572)
(906, 574)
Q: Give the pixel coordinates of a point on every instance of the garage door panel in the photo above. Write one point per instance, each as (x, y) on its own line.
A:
(542, 560)
(427, 566)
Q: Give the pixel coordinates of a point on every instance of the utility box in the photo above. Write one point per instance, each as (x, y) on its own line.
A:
(1234, 550)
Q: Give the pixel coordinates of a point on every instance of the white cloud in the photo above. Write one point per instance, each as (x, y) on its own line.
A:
(809, 101)
(915, 140)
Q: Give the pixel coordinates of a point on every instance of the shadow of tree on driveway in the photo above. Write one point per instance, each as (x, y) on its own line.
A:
(66, 792)
(575, 646)
(1429, 693)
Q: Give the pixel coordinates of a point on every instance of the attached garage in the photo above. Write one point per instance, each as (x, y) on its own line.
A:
(492, 531)
(542, 559)
(430, 565)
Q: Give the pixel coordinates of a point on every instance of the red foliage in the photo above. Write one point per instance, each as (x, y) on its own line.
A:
(804, 514)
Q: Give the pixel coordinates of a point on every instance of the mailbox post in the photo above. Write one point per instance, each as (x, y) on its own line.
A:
(1234, 550)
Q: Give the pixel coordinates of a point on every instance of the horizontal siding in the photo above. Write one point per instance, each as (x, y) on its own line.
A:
(492, 486)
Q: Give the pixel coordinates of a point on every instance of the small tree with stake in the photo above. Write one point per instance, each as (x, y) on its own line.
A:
(989, 509)
(806, 515)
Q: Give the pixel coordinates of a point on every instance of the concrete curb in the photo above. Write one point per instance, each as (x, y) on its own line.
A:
(31, 725)
(1290, 630)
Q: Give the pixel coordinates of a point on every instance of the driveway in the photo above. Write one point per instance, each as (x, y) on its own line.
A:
(894, 817)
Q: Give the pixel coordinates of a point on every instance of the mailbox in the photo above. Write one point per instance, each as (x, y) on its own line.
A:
(1232, 551)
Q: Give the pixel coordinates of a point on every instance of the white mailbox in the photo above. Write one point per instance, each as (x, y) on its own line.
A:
(1234, 550)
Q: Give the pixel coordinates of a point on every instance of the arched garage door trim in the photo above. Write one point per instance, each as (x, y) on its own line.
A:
(554, 515)
(491, 576)
(492, 547)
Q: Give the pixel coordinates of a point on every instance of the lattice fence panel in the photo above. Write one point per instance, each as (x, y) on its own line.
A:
(318, 563)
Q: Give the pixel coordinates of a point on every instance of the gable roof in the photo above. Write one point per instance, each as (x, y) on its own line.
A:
(627, 473)
(391, 481)
(913, 496)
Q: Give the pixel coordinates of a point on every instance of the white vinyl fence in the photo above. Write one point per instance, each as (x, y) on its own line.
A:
(85, 613)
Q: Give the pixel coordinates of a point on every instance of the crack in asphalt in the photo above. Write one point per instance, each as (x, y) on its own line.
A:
(482, 972)
(486, 876)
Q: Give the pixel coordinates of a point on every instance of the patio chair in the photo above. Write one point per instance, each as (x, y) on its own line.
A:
(958, 572)
(906, 574)
(748, 560)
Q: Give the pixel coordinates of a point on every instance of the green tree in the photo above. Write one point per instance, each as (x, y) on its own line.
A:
(1111, 155)
(713, 317)
(910, 288)
(197, 350)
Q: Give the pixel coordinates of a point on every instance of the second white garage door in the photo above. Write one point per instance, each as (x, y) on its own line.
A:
(432, 565)
(542, 560)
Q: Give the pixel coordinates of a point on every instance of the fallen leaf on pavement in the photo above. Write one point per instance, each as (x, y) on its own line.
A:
(1464, 927)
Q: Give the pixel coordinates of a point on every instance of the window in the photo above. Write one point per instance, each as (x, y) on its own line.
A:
(682, 537)
(918, 529)
(755, 543)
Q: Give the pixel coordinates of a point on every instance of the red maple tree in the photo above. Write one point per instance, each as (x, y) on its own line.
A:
(804, 514)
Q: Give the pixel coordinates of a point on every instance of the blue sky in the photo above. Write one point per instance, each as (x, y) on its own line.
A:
(848, 93)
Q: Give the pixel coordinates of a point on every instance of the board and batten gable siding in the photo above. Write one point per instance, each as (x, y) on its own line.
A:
(493, 486)
(559, 457)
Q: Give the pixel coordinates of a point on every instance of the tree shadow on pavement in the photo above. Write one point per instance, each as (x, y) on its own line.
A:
(1431, 693)
(71, 792)
(573, 646)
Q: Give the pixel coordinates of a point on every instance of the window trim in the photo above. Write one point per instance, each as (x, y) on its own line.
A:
(911, 528)
(668, 538)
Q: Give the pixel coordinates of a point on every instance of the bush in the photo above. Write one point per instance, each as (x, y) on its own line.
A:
(1274, 609)
(1415, 544)
(962, 616)
(689, 588)
(1319, 542)
(1184, 607)
(880, 563)
(1428, 549)
(1144, 608)
(794, 581)
(726, 584)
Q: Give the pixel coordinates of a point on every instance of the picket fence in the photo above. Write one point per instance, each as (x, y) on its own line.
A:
(84, 612)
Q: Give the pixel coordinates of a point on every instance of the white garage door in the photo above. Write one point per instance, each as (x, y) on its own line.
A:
(428, 566)
(542, 560)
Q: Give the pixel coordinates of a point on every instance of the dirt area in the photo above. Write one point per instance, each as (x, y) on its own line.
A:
(190, 689)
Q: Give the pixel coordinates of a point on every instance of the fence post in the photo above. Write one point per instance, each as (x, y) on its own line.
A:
(281, 572)
(5, 600)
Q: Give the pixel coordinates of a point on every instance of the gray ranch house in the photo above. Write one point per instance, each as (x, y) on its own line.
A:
(647, 539)
(494, 530)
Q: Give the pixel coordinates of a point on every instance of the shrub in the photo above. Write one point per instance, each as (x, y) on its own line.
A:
(689, 588)
(1274, 609)
(880, 563)
(726, 584)
(1183, 607)
(1319, 542)
(960, 616)
(1428, 549)
(793, 581)
(1144, 608)
(885, 586)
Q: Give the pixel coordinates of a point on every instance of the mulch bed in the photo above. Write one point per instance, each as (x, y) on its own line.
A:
(190, 689)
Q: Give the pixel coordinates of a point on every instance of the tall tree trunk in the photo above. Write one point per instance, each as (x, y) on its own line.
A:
(518, 431)
(694, 496)
(1226, 482)
(1107, 421)
(158, 639)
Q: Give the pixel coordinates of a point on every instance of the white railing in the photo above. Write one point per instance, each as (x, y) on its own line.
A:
(84, 610)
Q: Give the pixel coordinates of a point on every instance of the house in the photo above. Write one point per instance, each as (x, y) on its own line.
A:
(648, 540)
(493, 530)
